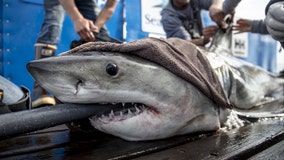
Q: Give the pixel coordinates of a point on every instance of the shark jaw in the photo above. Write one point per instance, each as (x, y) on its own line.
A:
(136, 122)
(149, 101)
(127, 110)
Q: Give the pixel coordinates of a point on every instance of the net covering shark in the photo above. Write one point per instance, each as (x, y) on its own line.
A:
(193, 90)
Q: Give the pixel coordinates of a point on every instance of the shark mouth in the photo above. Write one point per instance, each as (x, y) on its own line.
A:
(119, 112)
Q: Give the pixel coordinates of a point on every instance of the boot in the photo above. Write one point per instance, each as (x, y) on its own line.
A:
(40, 96)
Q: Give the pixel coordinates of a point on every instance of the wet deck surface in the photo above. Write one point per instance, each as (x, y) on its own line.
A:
(259, 140)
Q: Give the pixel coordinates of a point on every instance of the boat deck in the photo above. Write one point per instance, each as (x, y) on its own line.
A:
(258, 140)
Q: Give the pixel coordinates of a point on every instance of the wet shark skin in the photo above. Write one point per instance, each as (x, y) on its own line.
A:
(171, 102)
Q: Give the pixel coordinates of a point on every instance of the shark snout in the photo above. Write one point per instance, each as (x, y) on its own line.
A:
(41, 67)
(45, 64)
(35, 66)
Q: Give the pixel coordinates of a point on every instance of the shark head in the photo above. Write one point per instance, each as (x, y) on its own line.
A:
(150, 102)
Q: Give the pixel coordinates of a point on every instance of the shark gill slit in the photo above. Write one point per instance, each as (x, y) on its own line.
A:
(78, 86)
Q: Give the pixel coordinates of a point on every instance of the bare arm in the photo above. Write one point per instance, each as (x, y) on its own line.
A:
(217, 3)
(105, 14)
(83, 27)
(216, 13)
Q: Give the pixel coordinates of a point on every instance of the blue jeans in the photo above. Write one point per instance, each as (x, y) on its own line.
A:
(54, 15)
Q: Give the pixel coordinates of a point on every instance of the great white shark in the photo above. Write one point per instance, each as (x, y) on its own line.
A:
(149, 101)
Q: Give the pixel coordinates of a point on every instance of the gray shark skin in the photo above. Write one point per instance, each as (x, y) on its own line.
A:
(157, 109)
(245, 84)
(150, 101)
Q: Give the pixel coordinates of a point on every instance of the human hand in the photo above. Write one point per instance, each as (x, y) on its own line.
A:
(243, 25)
(217, 15)
(274, 21)
(209, 32)
(85, 29)
(202, 41)
(199, 41)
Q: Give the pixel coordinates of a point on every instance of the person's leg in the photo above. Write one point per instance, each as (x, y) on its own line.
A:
(46, 45)
(52, 23)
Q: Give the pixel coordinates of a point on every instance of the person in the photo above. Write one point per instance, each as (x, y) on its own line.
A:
(273, 23)
(182, 19)
(87, 19)
(253, 26)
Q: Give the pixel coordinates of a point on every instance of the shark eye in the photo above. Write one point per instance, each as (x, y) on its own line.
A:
(111, 69)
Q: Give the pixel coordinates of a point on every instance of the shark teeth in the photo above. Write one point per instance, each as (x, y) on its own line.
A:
(127, 110)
